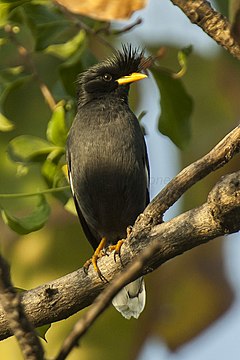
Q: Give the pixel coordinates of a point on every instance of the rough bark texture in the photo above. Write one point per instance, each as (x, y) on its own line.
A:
(212, 22)
(180, 234)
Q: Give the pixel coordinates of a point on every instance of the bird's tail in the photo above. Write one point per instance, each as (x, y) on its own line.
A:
(130, 301)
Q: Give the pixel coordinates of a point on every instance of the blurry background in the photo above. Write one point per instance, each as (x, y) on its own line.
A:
(193, 301)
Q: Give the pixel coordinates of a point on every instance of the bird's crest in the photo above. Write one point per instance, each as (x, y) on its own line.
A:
(123, 62)
(128, 59)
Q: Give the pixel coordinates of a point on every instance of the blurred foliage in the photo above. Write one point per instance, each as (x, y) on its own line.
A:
(42, 50)
(176, 108)
(33, 222)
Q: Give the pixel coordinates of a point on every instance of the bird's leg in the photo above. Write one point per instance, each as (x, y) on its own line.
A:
(97, 254)
(117, 248)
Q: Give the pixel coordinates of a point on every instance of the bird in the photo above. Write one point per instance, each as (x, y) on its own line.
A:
(107, 160)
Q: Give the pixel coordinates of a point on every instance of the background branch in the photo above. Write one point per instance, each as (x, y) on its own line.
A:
(63, 297)
(17, 321)
(212, 22)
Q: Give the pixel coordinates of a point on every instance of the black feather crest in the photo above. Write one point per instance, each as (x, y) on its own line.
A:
(122, 62)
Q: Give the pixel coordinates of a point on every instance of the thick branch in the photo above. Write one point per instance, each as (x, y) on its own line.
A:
(212, 22)
(222, 211)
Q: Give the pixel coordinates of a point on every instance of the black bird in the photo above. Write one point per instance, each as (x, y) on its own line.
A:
(108, 163)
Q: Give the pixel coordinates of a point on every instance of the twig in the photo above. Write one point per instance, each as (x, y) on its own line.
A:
(126, 28)
(102, 302)
(11, 302)
(82, 25)
(35, 193)
(105, 29)
(212, 22)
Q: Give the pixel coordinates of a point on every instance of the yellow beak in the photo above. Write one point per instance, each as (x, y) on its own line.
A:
(131, 78)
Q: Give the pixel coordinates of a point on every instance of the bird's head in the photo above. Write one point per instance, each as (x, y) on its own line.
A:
(112, 76)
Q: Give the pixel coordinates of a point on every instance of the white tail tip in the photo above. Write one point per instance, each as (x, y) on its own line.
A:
(130, 301)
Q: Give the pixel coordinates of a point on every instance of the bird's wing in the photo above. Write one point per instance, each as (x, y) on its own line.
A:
(90, 237)
(147, 168)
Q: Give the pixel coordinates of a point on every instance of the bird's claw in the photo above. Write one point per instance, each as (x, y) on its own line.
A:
(117, 249)
(99, 252)
(86, 266)
(93, 261)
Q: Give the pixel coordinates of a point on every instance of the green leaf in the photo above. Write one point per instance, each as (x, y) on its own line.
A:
(48, 25)
(10, 79)
(70, 206)
(182, 59)
(5, 124)
(6, 7)
(69, 70)
(57, 130)
(64, 51)
(42, 330)
(176, 108)
(32, 222)
(27, 149)
(53, 33)
(55, 177)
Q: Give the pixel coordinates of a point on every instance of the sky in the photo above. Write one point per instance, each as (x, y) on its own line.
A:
(163, 20)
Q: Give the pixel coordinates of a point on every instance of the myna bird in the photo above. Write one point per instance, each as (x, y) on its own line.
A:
(108, 163)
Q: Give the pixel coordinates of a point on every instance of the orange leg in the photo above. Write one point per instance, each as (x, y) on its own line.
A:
(116, 248)
(97, 254)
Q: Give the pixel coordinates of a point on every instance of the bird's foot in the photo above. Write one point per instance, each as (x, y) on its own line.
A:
(99, 252)
(117, 249)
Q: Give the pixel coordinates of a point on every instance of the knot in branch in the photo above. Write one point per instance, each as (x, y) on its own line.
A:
(225, 202)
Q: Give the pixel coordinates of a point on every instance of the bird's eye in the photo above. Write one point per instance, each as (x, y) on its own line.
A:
(107, 77)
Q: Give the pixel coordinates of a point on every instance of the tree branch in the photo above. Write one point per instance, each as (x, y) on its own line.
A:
(220, 155)
(63, 297)
(18, 323)
(219, 215)
(212, 22)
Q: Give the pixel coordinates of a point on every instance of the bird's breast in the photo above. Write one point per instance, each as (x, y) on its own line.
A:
(108, 171)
